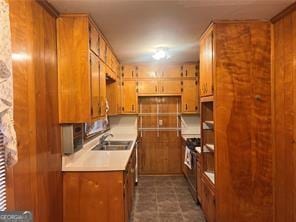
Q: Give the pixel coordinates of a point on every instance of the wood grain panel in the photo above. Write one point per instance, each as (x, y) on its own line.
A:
(34, 183)
(159, 152)
(243, 121)
(73, 68)
(284, 117)
(93, 196)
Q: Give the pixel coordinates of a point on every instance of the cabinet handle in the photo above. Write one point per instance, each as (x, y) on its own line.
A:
(133, 106)
(186, 106)
(155, 88)
(162, 88)
(186, 73)
(133, 74)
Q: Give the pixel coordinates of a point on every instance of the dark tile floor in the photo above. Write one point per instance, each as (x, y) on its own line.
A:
(164, 199)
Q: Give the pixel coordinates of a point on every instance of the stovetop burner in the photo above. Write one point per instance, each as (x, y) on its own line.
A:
(191, 143)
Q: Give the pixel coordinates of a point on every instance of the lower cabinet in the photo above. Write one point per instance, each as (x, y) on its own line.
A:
(198, 177)
(99, 196)
(208, 200)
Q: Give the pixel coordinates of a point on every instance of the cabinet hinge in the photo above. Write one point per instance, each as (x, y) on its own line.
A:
(195, 82)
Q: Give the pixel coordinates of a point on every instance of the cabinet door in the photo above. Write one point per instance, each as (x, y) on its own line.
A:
(206, 64)
(112, 97)
(128, 72)
(146, 71)
(208, 202)
(198, 182)
(93, 39)
(169, 87)
(170, 71)
(147, 87)
(190, 70)
(95, 86)
(108, 56)
(102, 48)
(129, 96)
(102, 89)
(190, 96)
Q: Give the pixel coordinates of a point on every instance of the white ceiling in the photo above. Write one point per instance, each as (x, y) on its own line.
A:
(135, 28)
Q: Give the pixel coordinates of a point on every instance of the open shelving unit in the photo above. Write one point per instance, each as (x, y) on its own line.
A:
(208, 139)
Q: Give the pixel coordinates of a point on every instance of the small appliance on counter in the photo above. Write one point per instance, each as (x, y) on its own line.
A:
(72, 137)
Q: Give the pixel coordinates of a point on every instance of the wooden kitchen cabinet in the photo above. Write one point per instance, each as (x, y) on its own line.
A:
(146, 72)
(81, 69)
(95, 86)
(190, 70)
(93, 39)
(128, 72)
(114, 98)
(208, 200)
(103, 48)
(103, 96)
(75, 82)
(232, 140)
(190, 96)
(169, 87)
(170, 71)
(129, 97)
(105, 196)
(147, 87)
(93, 196)
(206, 63)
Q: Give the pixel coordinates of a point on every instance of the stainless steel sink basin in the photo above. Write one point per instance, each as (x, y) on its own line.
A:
(113, 145)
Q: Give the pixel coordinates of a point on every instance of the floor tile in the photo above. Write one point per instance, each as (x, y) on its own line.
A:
(164, 199)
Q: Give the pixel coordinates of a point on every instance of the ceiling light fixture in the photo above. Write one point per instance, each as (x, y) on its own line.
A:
(161, 53)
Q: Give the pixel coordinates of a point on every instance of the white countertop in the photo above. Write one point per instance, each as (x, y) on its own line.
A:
(88, 160)
(186, 136)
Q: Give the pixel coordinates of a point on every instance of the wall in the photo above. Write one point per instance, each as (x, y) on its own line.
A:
(190, 124)
(284, 115)
(35, 182)
(124, 124)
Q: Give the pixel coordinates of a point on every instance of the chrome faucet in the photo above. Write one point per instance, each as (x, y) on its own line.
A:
(104, 137)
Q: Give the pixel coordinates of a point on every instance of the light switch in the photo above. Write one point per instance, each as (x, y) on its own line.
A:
(160, 122)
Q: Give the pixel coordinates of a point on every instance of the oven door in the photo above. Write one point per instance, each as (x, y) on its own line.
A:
(192, 174)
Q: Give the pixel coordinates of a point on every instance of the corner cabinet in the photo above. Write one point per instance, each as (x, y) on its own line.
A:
(78, 70)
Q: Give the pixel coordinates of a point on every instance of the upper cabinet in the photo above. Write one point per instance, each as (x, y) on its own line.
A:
(190, 96)
(170, 71)
(172, 87)
(128, 72)
(94, 39)
(129, 97)
(190, 70)
(206, 63)
(82, 53)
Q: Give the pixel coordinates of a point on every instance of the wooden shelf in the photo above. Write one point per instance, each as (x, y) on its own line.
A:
(209, 147)
(210, 176)
(208, 125)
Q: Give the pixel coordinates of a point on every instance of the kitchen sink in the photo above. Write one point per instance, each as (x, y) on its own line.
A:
(113, 145)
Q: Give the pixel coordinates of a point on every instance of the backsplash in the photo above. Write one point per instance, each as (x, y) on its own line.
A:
(190, 124)
(124, 124)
